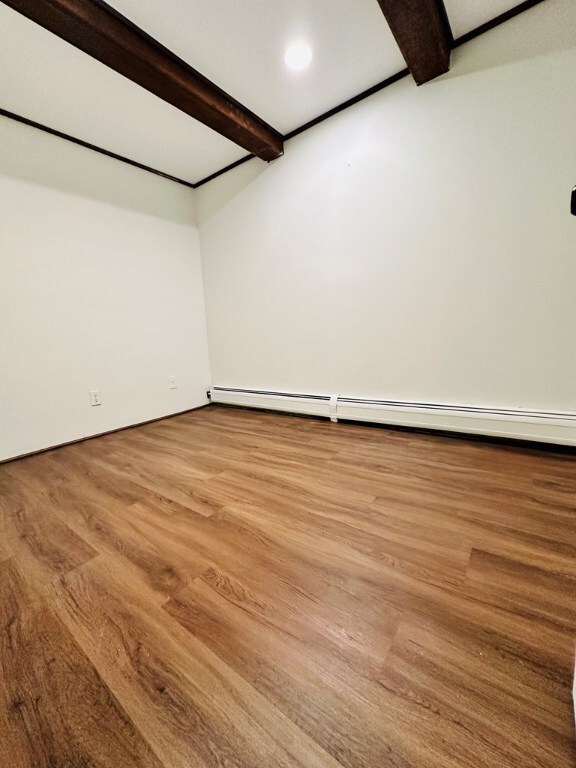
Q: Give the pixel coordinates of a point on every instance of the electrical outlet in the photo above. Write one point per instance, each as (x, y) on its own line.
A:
(95, 397)
(172, 382)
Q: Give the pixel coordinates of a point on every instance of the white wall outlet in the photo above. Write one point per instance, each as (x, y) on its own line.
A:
(95, 397)
(172, 382)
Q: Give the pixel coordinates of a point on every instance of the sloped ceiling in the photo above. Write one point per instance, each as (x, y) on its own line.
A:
(238, 44)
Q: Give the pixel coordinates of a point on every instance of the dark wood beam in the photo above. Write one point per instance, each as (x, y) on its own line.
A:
(423, 34)
(99, 30)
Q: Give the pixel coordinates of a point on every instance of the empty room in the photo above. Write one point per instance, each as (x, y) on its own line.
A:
(287, 383)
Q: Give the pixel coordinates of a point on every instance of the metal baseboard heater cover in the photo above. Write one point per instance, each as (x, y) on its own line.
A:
(544, 426)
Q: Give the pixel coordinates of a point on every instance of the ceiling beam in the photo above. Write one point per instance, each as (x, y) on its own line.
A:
(423, 35)
(99, 30)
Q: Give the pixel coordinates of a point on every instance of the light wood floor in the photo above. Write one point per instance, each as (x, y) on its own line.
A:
(240, 589)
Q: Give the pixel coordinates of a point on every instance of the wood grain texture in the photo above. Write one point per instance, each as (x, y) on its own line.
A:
(97, 29)
(55, 709)
(233, 588)
(422, 31)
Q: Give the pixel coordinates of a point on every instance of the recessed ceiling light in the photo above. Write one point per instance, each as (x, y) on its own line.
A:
(298, 56)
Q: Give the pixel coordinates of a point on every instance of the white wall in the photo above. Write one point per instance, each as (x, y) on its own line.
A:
(100, 288)
(418, 246)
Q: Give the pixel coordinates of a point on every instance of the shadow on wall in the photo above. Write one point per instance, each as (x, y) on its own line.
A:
(213, 198)
(30, 155)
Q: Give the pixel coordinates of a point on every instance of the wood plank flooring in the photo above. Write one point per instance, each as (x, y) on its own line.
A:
(234, 589)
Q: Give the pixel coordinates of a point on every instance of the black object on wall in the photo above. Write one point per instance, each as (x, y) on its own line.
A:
(573, 202)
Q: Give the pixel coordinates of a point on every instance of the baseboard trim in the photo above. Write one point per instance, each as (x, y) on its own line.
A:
(101, 434)
(556, 427)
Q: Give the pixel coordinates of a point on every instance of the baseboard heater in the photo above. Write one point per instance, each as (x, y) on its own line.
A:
(544, 426)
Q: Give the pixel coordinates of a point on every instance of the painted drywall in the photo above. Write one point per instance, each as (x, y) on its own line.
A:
(100, 288)
(419, 245)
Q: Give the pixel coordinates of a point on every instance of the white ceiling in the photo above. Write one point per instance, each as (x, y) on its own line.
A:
(47, 80)
(238, 44)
